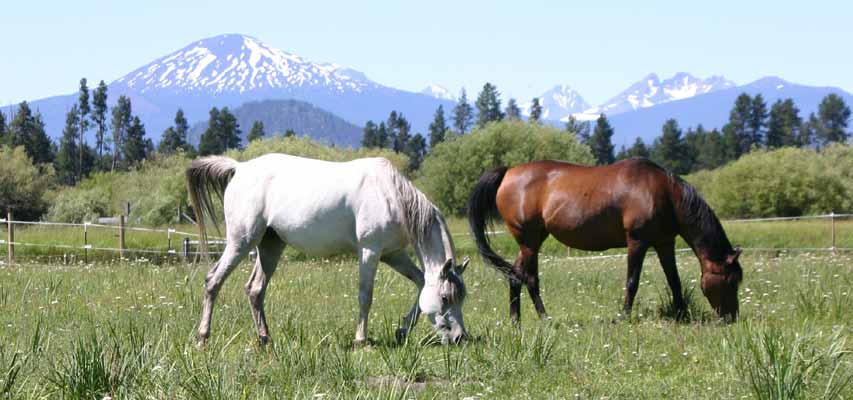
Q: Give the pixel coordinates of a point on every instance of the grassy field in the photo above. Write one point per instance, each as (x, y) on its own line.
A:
(127, 329)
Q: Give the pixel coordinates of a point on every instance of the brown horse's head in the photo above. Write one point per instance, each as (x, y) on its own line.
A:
(720, 280)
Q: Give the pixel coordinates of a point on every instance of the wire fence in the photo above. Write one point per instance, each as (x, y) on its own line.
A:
(74, 242)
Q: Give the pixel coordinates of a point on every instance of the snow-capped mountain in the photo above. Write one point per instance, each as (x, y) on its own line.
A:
(651, 91)
(558, 103)
(439, 92)
(712, 109)
(238, 64)
(230, 70)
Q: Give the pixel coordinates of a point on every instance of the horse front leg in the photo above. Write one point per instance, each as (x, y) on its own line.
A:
(666, 256)
(368, 259)
(401, 263)
(636, 254)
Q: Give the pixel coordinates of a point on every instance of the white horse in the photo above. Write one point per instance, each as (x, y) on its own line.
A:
(323, 208)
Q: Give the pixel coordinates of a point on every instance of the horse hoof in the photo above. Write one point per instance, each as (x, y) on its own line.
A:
(264, 340)
(401, 335)
(361, 343)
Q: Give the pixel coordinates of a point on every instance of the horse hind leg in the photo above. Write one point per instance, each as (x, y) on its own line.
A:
(269, 253)
(368, 258)
(235, 251)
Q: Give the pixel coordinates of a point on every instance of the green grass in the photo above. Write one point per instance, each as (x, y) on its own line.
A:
(127, 329)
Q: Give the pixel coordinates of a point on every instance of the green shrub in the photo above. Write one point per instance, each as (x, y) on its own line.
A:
(784, 182)
(22, 184)
(450, 172)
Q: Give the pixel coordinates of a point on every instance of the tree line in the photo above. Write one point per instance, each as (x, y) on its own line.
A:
(395, 133)
(121, 140)
(750, 127)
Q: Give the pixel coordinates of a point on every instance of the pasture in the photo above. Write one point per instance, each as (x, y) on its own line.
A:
(127, 329)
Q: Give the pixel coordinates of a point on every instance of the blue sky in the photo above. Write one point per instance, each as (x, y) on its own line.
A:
(524, 48)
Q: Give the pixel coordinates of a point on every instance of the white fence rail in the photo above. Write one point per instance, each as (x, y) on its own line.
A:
(189, 240)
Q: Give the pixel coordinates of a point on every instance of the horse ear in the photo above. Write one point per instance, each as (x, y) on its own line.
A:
(446, 268)
(460, 269)
(733, 258)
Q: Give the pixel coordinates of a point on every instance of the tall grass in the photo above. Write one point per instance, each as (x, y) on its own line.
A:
(782, 366)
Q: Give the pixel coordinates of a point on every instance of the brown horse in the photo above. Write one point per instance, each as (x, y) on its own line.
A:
(632, 203)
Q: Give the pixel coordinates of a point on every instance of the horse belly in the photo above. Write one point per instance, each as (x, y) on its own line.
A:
(320, 235)
(592, 235)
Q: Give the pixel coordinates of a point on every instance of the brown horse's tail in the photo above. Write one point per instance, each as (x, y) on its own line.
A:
(482, 208)
(206, 177)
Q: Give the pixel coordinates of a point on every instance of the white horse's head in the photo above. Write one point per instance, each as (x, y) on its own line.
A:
(442, 298)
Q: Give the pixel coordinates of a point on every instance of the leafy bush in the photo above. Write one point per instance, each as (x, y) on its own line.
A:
(784, 182)
(22, 184)
(450, 172)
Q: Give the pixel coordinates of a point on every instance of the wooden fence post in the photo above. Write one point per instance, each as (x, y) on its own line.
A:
(186, 249)
(10, 237)
(121, 236)
(832, 218)
(85, 242)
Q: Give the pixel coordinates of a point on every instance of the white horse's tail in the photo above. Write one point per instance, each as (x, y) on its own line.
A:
(206, 177)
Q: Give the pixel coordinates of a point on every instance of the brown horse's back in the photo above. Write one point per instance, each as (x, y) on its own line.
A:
(589, 208)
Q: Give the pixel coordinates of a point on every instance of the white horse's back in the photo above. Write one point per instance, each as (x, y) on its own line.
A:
(318, 207)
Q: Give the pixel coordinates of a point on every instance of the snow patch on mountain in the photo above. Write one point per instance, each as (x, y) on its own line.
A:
(237, 64)
(439, 92)
(651, 91)
(558, 102)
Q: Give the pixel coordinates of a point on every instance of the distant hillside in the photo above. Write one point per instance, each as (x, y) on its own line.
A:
(280, 115)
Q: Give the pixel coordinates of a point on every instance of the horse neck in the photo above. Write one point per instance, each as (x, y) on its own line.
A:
(701, 229)
(434, 247)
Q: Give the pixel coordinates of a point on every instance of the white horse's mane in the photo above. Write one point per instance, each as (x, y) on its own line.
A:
(419, 214)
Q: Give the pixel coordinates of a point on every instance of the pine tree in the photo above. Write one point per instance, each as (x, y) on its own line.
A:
(175, 137)
(68, 155)
(257, 132)
(83, 103)
(392, 126)
(535, 111)
(402, 137)
(437, 128)
(578, 128)
(289, 133)
(704, 149)
(512, 110)
(135, 148)
(120, 124)
(230, 129)
(833, 116)
(670, 150)
(488, 105)
(27, 130)
(382, 139)
(738, 138)
(808, 131)
(416, 151)
(211, 142)
(783, 127)
(222, 134)
(638, 149)
(757, 121)
(369, 139)
(463, 114)
(600, 142)
(4, 131)
(99, 117)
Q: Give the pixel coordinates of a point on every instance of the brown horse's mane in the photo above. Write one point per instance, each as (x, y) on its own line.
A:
(700, 226)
